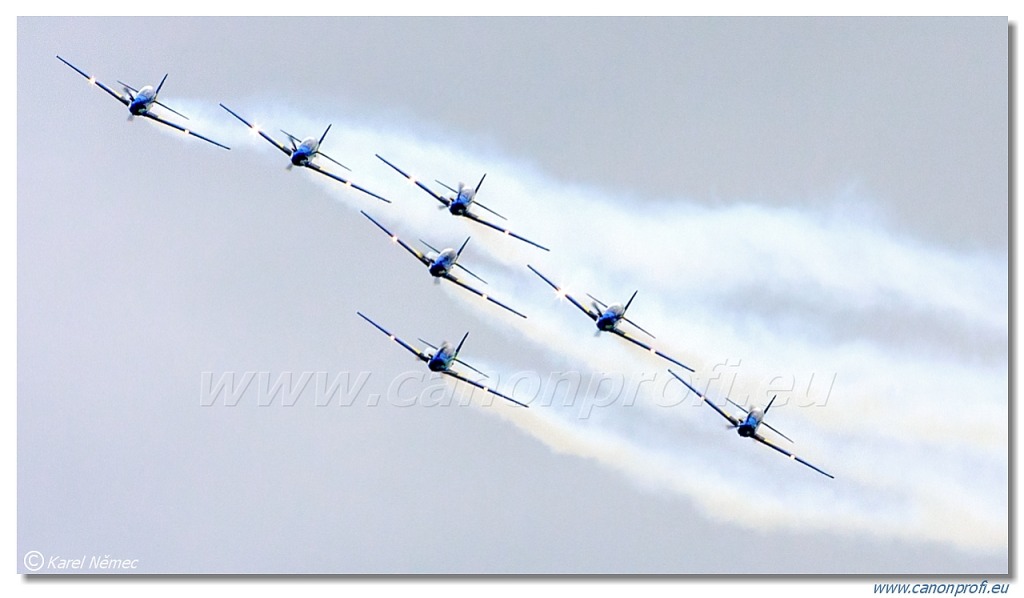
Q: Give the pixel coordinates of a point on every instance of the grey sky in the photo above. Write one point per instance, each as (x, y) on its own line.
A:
(145, 260)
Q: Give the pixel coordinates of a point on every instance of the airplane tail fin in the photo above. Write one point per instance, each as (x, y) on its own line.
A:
(459, 348)
(461, 248)
(157, 92)
(624, 309)
(324, 135)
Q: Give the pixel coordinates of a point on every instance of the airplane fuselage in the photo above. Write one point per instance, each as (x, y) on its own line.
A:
(304, 153)
(442, 359)
(748, 427)
(443, 263)
(461, 202)
(610, 318)
(142, 101)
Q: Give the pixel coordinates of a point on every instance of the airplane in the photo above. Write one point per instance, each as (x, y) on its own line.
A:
(608, 317)
(460, 203)
(303, 151)
(440, 359)
(747, 427)
(140, 102)
(441, 263)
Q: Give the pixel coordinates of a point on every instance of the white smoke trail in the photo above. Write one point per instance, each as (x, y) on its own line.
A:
(906, 342)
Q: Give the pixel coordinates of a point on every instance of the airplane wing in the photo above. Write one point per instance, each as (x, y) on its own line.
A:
(394, 238)
(640, 343)
(152, 116)
(767, 442)
(273, 142)
(316, 168)
(419, 354)
(476, 218)
(418, 184)
(482, 387)
(558, 290)
(116, 96)
(482, 294)
(732, 420)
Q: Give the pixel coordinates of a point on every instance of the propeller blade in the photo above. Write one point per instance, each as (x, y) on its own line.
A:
(480, 183)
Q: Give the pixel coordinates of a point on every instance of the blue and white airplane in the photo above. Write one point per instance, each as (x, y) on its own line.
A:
(440, 359)
(140, 102)
(458, 205)
(441, 263)
(747, 426)
(608, 317)
(303, 151)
